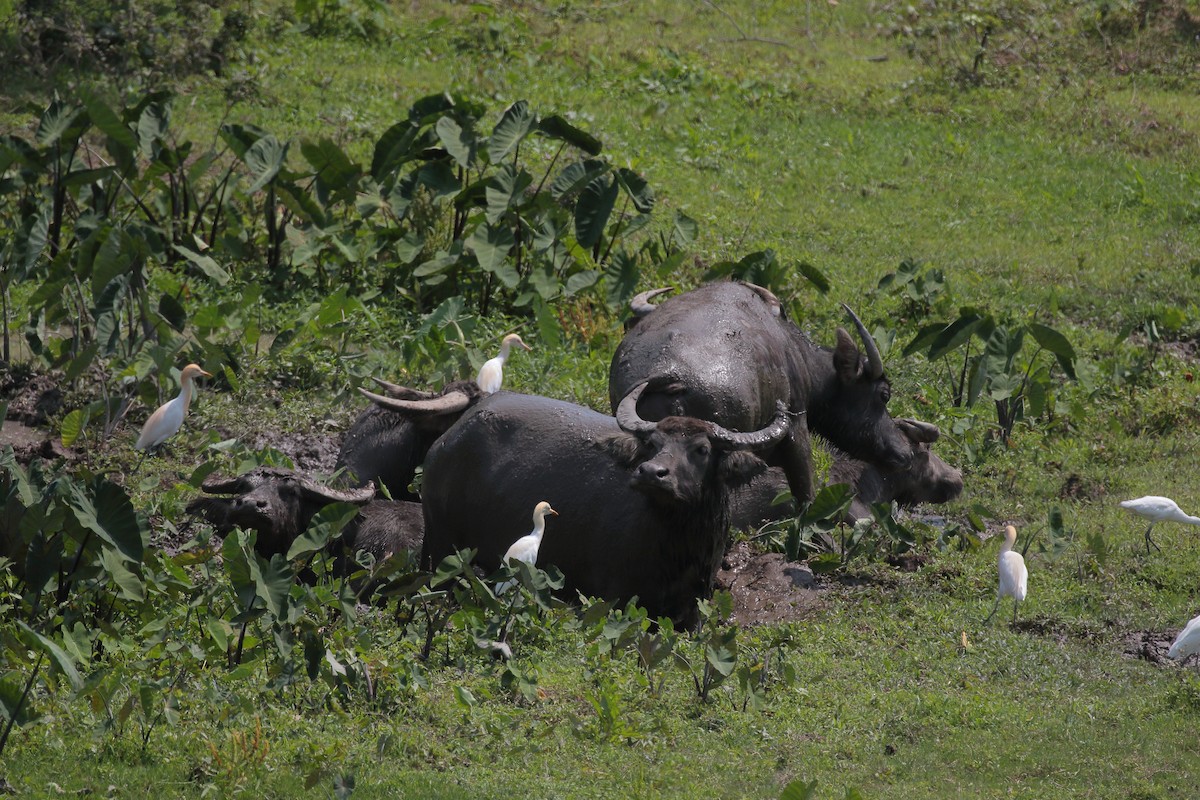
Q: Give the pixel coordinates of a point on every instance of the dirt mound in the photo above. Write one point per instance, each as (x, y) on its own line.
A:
(32, 399)
(311, 452)
(29, 443)
(767, 588)
(1153, 646)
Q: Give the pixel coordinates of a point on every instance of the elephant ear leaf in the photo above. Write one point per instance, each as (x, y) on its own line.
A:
(59, 656)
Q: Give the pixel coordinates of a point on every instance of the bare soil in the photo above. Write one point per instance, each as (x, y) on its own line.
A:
(767, 588)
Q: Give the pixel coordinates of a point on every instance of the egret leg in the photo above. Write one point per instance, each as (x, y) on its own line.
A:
(1150, 541)
(995, 607)
(1016, 605)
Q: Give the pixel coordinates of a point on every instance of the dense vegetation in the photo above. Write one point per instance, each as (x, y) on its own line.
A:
(299, 196)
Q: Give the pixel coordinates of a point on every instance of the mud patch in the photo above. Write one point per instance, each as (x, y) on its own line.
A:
(32, 399)
(29, 443)
(311, 452)
(1152, 646)
(767, 588)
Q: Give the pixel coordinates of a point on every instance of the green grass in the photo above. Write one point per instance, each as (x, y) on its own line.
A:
(1070, 195)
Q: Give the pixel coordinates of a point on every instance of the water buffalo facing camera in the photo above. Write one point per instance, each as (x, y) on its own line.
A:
(642, 506)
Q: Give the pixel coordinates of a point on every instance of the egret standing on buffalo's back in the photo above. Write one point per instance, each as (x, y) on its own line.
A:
(491, 374)
(166, 421)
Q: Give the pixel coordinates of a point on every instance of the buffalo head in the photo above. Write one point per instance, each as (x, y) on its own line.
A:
(678, 458)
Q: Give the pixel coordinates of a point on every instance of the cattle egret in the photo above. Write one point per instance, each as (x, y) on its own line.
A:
(1157, 509)
(1187, 642)
(491, 374)
(164, 422)
(1013, 575)
(526, 548)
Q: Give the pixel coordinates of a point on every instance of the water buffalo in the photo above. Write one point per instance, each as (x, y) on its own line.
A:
(389, 440)
(643, 506)
(725, 352)
(928, 479)
(279, 504)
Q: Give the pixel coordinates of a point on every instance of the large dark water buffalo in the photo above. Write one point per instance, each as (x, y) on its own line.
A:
(927, 479)
(643, 506)
(724, 352)
(389, 440)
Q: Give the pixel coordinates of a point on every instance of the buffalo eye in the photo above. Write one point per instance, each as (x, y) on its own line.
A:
(702, 450)
(885, 394)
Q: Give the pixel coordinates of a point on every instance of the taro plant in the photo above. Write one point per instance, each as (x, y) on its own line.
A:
(993, 363)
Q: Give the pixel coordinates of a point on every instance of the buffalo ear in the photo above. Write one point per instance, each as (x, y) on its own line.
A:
(623, 447)
(847, 361)
(739, 467)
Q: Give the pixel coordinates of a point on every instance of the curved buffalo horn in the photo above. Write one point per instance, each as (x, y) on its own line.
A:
(357, 496)
(403, 392)
(627, 416)
(754, 440)
(246, 482)
(448, 403)
(917, 431)
(874, 362)
(640, 305)
(768, 297)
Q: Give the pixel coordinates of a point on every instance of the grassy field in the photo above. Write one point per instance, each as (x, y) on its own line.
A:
(1062, 190)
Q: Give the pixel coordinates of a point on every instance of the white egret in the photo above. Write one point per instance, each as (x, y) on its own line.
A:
(526, 548)
(1157, 509)
(1187, 642)
(1013, 575)
(491, 374)
(164, 422)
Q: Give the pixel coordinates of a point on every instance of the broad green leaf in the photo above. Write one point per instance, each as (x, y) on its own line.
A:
(574, 177)
(272, 582)
(152, 126)
(439, 178)
(59, 121)
(59, 656)
(514, 126)
(638, 190)
(236, 553)
(828, 504)
(558, 128)
(113, 259)
(814, 276)
(393, 149)
(324, 526)
(459, 142)
(111, 516)
(581, 280)
(953, 335)
(435, 265)
(127, 580)
(549, 327)
(593, 209)
(621, 276)
(205, 264)
(491, 246)
(264, 159)
(506, 191)
(1057, 344)
(241, 137)
(122, 144)
(464, 697)
(799, 790)
(72, 426)
(685, 231)
(335, 172)
(721, 658)
(173, 312)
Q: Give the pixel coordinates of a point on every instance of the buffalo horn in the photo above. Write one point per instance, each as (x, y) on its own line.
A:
(917, 431)
(448, 403)
(627, 415)
(356, 496)
(754, 440)
(640, 305)
(244, 483)
(403, 392)
(768, 297)
(874, 362)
